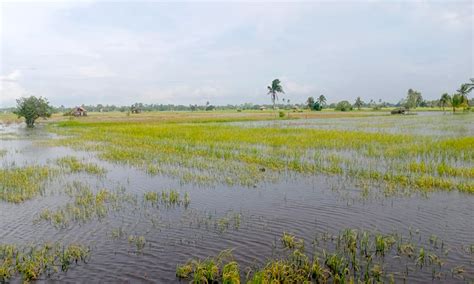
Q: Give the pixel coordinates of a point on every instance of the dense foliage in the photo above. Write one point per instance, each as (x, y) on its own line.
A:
(32, 108)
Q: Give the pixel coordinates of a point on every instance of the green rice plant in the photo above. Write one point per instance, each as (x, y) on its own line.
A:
(231, 273)
(152, 197)
(168, 198)
(138, 241)
(221, 268)
(337, 265)
(383, 243)
(20, 184)
(32, 262)
(421, 259)
(186, 199)
(86, 206)
(291, 242)
(184, 271)
(117, 233)
(74, 165)
(205, 153)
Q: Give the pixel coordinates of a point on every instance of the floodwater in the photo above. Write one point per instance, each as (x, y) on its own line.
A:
(305, 206)
(422, 123)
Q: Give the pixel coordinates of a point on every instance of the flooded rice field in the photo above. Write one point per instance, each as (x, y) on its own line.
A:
(141, 213)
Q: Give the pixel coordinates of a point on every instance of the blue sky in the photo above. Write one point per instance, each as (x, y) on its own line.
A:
(90, 52)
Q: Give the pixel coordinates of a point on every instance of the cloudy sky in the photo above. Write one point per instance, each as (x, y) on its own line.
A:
(75, 52)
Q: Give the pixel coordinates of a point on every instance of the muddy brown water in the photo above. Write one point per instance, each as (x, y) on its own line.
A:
(305, 206)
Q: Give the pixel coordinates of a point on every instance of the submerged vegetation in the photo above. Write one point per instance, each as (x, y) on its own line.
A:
(18, 184)
(35, 261)
(209, 153)
(86, 206)
(144, 218)
(167, 197)
(351, 257)
(74, 165)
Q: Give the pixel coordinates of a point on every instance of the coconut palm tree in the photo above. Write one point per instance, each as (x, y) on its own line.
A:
(458, 100)
(321, 100)
(464, 91)
(444, 100)
(469, 86)
(274, 89)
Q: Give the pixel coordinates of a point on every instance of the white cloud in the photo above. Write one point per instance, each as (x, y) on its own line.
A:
(98, 71)
(10, 88)
(13, 76)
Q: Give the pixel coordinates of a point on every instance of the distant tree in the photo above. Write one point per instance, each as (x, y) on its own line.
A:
(414, 99)
(358, 103)
(468, 86)
(274, 89)
(316, 106)
(444, 100)
(464, 90)
(344, 106)
(210, 107)
(32, 108)
(310, 102)
(457, 101)
(321, 100)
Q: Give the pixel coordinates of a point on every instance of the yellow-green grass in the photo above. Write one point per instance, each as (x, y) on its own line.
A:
(86, 206)
(18, 184)
(75, 165)
(352, 256)
(209, 153)
(35, 261)
(167, 197)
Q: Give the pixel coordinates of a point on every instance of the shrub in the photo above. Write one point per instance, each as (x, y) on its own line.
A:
(343, 106)
(316, 106)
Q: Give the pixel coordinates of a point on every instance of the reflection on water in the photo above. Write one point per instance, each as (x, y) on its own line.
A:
(304, 206)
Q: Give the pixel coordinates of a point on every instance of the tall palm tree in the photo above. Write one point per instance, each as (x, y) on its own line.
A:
(444, 100)
(358, 103)
(470, 86)
(464, 91)
(274, 89)
(457, 100)
(321, 100)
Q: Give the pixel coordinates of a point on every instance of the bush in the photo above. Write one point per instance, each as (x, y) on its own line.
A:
(281, 113)
(343, 106)
(316, 106)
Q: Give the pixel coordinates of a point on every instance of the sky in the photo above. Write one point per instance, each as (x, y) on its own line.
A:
(90, 52)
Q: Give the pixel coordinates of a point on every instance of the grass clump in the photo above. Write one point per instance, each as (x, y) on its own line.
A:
(20, 184)
(32, 262)
(138, 241)
(74, 165)
(221, 268)
(350, 257)
(291, 242)
(86, 206)
(167, 197)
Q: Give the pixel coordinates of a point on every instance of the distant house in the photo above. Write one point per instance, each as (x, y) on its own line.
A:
(79, 111)
(399, 111)
(135, 109)
(263, 108)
